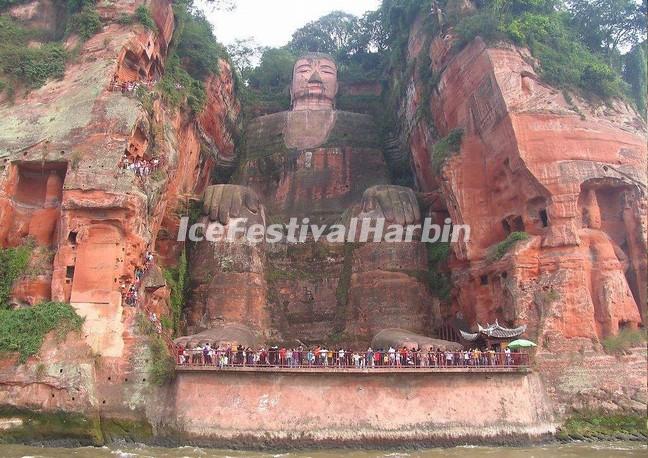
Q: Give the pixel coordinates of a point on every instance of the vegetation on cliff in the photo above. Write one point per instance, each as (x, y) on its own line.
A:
(85, 23)
(498, 251)
(70, 428)
(13, 264)
(624, 341)
(30, 56)
(439, 279)
(161, 365)
(143, 16)
(23, 330)
(73, 428)
(446, 147)
(194, 55)
(31, 66)
(176, 279)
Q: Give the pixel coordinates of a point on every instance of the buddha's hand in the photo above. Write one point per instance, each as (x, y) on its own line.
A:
(396, 204)
(224, 202)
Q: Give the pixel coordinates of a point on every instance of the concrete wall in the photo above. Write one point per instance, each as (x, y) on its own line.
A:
(347, 408)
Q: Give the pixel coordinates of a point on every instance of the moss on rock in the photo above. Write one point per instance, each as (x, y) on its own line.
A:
(60, 428)
(57, 427)
(595, 426)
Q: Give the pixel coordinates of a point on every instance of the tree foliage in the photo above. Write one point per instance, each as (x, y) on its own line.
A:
(244, 53)
(634, 73)
(335, 33)
(607, 25)
(195, 43)
(194, 55)
(274, 72)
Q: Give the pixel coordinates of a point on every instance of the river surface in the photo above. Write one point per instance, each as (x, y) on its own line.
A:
(597, 450)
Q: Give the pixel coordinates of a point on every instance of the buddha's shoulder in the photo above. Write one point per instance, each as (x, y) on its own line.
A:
(353, 130)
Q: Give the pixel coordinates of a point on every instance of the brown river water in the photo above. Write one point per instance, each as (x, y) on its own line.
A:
(597, 450)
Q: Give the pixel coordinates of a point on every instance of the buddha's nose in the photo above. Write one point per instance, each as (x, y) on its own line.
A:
(315, 78)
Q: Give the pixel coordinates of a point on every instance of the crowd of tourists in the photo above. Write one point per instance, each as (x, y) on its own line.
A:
(141, 167)
(227, 355)
(127, 87)
(130, 290)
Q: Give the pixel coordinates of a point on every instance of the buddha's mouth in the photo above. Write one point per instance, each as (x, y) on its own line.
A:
(315, 88)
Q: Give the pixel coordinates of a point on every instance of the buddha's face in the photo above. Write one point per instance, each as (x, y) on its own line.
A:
(314, 84)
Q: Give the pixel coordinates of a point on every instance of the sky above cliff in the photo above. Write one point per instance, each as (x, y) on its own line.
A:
(272, 23)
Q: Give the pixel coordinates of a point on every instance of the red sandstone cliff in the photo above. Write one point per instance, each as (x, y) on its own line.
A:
(61, 184)
(571, 173)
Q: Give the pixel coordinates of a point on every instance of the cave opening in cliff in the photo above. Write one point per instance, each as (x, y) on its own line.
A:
(39, 183)
(513, 223)
(36, 191)
(69, 272)
(544, 219)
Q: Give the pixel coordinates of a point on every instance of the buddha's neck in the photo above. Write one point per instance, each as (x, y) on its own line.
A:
(312, 103)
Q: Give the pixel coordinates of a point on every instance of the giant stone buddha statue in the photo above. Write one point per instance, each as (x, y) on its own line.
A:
(321, 163)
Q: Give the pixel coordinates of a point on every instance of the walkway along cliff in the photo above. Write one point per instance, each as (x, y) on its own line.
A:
(98, 167)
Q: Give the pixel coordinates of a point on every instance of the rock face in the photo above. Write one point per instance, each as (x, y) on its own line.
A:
(62, 185)
(569, 173)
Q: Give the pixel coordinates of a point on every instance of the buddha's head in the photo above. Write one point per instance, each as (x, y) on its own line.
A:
(314, 84)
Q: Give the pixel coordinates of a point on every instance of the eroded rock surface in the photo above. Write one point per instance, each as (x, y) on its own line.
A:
(569, 173)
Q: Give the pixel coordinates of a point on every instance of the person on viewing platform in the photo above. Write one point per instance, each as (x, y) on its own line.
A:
(298, 356)
(448, 358)
(196, 357)
(392, 356)
(181, 356)
(205, 352)
(323, 356)
(369, 357)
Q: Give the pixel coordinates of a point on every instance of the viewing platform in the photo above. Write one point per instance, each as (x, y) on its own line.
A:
(433, 362)
(353, 370)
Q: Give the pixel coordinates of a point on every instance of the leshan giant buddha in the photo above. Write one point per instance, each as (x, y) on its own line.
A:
(319, 163)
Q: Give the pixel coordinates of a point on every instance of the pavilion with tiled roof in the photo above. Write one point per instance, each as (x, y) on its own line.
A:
(492, 334)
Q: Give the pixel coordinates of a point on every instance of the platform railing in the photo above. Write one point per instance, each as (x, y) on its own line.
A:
(221, 359)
